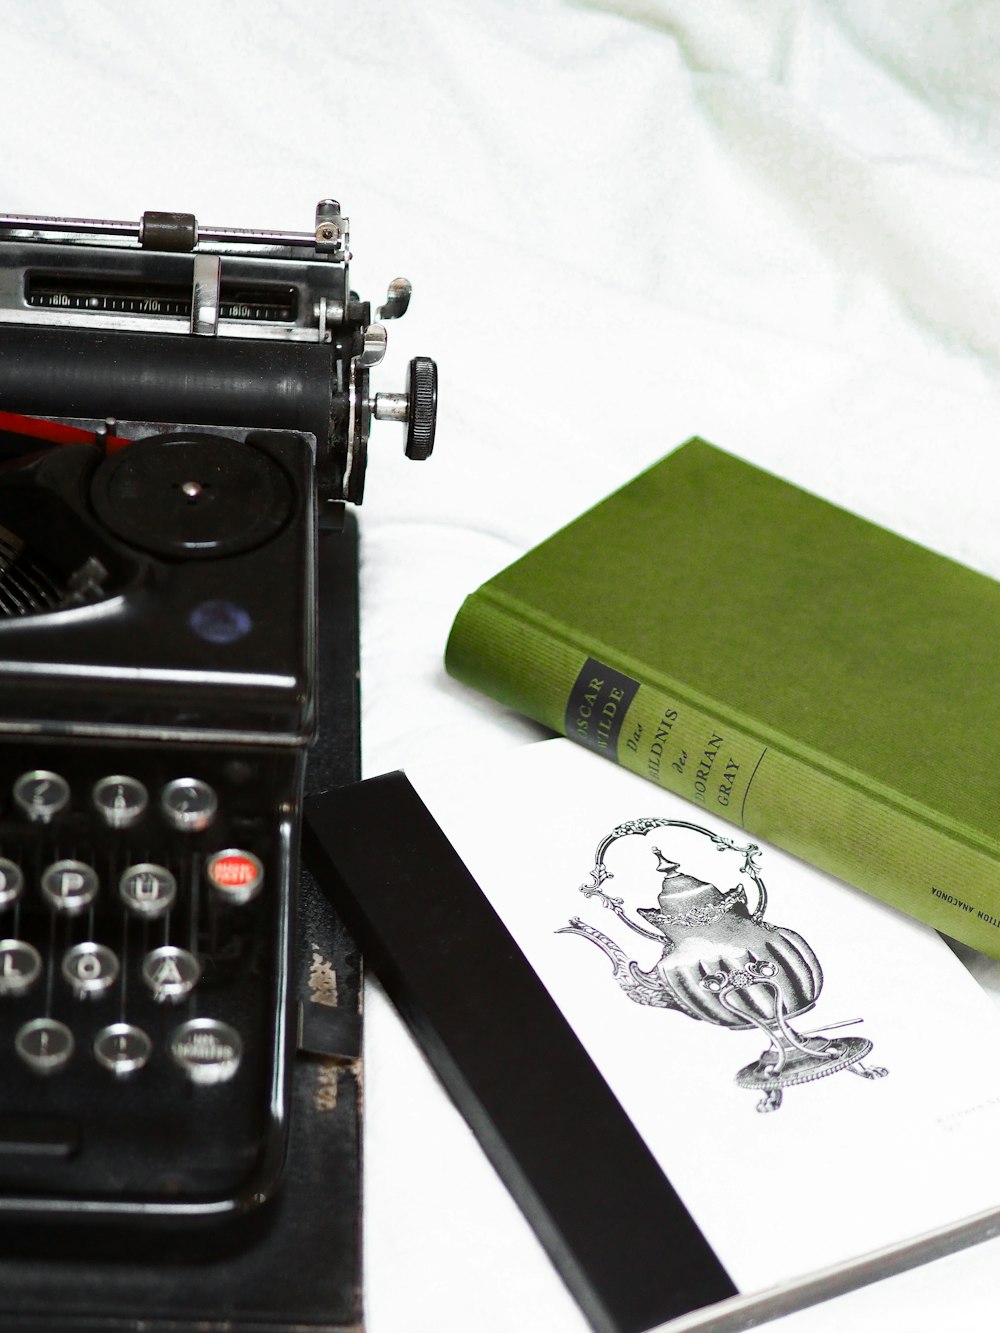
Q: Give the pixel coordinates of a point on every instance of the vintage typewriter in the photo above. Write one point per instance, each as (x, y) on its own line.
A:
(182, 411)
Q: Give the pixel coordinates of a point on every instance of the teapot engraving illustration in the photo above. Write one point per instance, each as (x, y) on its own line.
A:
(721, 962)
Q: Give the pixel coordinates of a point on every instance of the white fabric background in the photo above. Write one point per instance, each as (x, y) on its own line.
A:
(771, 222)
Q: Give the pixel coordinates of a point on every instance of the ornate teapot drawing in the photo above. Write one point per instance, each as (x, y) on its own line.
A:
(724, 964)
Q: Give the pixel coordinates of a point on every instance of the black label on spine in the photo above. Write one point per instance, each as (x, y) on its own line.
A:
(597, 706)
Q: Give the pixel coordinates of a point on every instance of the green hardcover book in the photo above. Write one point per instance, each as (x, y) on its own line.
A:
(823, 683)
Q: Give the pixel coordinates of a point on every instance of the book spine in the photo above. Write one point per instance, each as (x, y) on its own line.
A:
(764, 784)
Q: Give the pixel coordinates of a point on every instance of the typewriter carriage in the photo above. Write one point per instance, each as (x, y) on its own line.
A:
(161, 320)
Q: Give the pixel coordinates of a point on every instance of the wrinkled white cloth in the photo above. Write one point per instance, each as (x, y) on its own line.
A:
(772, 224)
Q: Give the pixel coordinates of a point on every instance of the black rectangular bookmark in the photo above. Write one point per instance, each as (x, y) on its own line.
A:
(610, 1220)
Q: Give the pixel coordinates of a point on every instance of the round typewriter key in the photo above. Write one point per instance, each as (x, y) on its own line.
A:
(70, 886)
(170, 972)
(122, 1048)
(41, 794)
(207, 1050)
(235, 875)
(90, 969)
(189, 804)
(11, 882)
(120, 800)
(149, 890)
(20, 966)
(44, 1044)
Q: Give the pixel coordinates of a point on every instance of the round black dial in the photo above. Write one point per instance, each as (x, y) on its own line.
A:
(192, 495)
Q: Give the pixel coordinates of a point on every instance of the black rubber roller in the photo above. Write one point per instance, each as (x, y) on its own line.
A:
(422, 391)
(78, 372)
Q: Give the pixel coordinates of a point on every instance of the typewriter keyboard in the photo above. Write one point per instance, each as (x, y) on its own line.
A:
(143, 923)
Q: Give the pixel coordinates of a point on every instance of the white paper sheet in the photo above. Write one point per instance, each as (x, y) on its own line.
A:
(849, 1161)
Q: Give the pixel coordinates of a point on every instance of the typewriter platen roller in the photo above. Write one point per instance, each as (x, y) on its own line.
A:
(181, 410)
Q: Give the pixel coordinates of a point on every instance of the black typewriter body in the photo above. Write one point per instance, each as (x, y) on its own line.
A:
(182, 413)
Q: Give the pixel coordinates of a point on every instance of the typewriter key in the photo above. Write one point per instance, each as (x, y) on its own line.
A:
(11, 882)
(122, 1048)
(120, 800)
(90, 969)
(20, 966)
(44, 1044)
(235, 875)
(70, 886)
(41, 795)
(189, 804)
(208, 1051)
(148, 890)
(170, 972)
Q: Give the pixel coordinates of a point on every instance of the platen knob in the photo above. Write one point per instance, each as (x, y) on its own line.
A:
(422, 391)
(417, 407)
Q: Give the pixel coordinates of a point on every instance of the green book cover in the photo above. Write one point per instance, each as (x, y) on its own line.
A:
(817, 680)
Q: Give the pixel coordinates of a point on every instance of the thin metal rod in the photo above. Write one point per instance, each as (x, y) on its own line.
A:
(108, 227)
(85, 226)
(257, 237)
